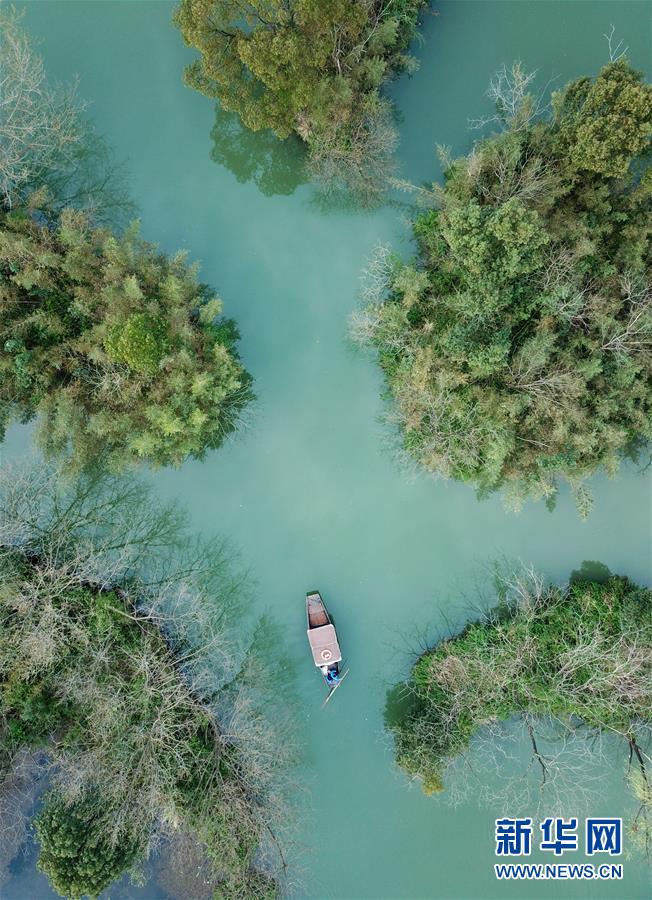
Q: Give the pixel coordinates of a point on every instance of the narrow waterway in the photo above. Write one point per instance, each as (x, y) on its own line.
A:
(310, 493)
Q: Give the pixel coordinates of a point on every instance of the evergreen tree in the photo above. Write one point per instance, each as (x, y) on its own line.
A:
(75, 853)
(118, 348)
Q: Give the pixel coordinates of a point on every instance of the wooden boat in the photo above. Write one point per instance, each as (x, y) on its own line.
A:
(322, 637)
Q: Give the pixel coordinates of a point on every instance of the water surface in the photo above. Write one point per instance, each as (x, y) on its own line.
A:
(309, 493)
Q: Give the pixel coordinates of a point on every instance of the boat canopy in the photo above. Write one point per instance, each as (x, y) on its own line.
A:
(324, 646)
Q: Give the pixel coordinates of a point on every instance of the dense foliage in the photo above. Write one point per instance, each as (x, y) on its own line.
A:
(518, 345)
(577, 654)
(307, 67)
(116, 346)
(118, 659)
(75, 853)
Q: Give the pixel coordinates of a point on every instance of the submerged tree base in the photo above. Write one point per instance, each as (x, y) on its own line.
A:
(579, 656)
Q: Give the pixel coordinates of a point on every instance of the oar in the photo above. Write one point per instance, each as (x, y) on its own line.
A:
(332, 690)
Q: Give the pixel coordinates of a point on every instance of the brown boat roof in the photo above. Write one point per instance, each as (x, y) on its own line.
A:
(324, 646)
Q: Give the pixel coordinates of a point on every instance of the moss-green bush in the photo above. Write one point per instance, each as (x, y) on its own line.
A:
(576, 653)
(75, 853)
(140, 343)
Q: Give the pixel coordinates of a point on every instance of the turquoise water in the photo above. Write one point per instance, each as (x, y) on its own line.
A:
(310, 492)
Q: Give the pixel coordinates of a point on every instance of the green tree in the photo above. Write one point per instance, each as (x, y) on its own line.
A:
(117, 347)
(74, 851)
(606, 121)
(312, 68)
(517, 346)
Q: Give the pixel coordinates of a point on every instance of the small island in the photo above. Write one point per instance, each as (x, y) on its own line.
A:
(117, 348)
(517, 345)
(578, 655)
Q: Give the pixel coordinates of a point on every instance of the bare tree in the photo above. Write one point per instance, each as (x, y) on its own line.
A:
(533, 766)
(109, 537)
(619, 50)
(634, 335)
(515, 106)
(40, 125)
(48, 150)
(361, 165)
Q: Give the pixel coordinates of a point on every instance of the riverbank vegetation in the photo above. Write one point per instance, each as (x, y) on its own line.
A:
(310, 69)
(577, 659)
(517, 345)
(118, 661)
(119, 349)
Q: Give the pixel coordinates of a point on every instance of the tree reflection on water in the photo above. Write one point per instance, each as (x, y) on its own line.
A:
(275, 166)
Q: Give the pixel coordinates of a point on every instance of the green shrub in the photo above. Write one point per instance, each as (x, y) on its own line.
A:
(140, 343)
